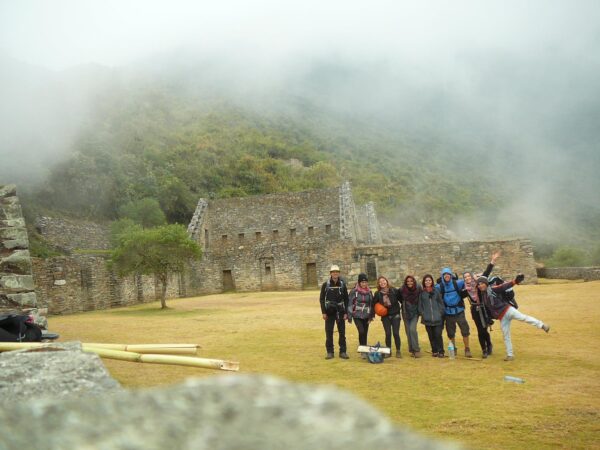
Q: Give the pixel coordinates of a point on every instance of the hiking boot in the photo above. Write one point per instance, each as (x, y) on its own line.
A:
(344, 355)
(468, 352)
(546, 328)
(329, 356)
(489, 350)
(441, 355)
(417, 354)
(398, 354)
(435, 355)
(484, 355)
(509, 358)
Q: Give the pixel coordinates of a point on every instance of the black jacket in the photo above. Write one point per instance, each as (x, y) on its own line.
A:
(334, 297)
(394, 295)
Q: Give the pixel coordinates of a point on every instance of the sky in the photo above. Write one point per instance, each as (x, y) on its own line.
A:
(527, 73)
(61, 33)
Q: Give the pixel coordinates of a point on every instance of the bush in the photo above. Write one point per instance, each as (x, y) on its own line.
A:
(567, 257)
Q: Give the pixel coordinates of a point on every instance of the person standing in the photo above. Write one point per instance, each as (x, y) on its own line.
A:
(388, 297)
(431, 310)
(361, 308)
(450, 288)
(334, 303)
(410, 311)
(500, 309)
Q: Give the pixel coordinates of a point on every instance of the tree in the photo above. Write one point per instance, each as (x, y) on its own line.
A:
(146, 212)
(160, 251)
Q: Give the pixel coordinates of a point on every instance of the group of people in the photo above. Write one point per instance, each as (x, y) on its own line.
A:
(437, 304)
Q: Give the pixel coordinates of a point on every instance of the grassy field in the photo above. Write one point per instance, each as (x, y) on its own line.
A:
(282, 333)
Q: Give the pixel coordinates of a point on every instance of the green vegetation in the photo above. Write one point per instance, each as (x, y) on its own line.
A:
(160, 251)
(145, 212)
(463, 400)
(568, 257)
(153, 143)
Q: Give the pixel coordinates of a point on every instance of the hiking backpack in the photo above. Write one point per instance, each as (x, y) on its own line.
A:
(19, 328)
(508, 295)
(330, 304)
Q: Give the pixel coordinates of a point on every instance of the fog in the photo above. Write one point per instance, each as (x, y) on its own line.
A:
(510, 88)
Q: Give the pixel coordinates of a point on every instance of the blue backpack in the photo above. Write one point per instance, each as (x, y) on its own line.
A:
(374, 356)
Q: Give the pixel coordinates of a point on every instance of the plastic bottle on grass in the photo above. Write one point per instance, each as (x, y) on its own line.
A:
(513, 379)
(451, 352)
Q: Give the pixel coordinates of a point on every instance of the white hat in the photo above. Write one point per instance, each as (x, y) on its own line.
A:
(334, 268)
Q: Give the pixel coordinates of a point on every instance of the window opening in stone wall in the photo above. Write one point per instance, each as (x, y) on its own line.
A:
(292, 232)
(311, 231)
(327, 229)
(228, 284)
(205, 238)
(241, 236)
(311, 275)
(372, 271)
(258, 235)
(224, 237)
(275, 234)
(268, 269)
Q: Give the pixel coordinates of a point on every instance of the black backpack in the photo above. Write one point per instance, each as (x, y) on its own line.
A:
(18, 328)
(508, 295)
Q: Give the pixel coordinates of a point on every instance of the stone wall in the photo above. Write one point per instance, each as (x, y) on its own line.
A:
(73, 284)
(397, 261)
(16, 282)
(570, 273)
(70, 234)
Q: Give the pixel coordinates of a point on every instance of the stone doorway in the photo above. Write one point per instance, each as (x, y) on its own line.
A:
(311, 276)
(372, 272)
(228, 284)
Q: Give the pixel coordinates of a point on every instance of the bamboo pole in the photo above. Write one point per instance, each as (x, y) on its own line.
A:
(10, 346)
(122, 355)
(162, 349)
(163, 359)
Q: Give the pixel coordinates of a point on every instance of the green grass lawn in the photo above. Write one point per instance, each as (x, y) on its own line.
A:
(282, 334)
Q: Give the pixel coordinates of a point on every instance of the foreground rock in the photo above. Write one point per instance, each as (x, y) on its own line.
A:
(227, 412)
(58, 370)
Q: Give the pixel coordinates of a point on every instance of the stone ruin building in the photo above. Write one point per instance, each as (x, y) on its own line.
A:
(17, 287)
(266, 242)
(289, 241)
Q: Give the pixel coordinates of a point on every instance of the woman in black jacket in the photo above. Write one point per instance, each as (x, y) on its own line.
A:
(431, 310)
(387, 296)
(479, 312)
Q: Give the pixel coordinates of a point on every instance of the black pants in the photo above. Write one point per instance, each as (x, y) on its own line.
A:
(341, 326)
(482, 332)
(391, 325)
(362, 325)
(435, 337)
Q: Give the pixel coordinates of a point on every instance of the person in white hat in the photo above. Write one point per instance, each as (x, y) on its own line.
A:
(334, 302)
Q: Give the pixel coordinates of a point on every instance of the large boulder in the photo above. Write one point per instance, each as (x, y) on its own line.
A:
(225, 412)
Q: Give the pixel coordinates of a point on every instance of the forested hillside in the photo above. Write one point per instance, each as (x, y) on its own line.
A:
(153, 141)
(422, 153)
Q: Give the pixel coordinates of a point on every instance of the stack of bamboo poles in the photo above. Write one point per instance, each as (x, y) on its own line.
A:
(177, 354)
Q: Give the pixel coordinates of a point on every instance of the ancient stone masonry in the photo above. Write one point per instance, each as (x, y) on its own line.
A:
(69, 234)
(198, 219)
(289, 241)
(72, 284)
(570, 273)
(17, 289)
(398, 260)
(268, 242)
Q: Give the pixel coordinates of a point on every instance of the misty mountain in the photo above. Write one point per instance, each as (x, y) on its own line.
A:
(492, 149)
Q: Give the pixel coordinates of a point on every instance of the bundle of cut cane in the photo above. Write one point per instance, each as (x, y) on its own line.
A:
(146, 353)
